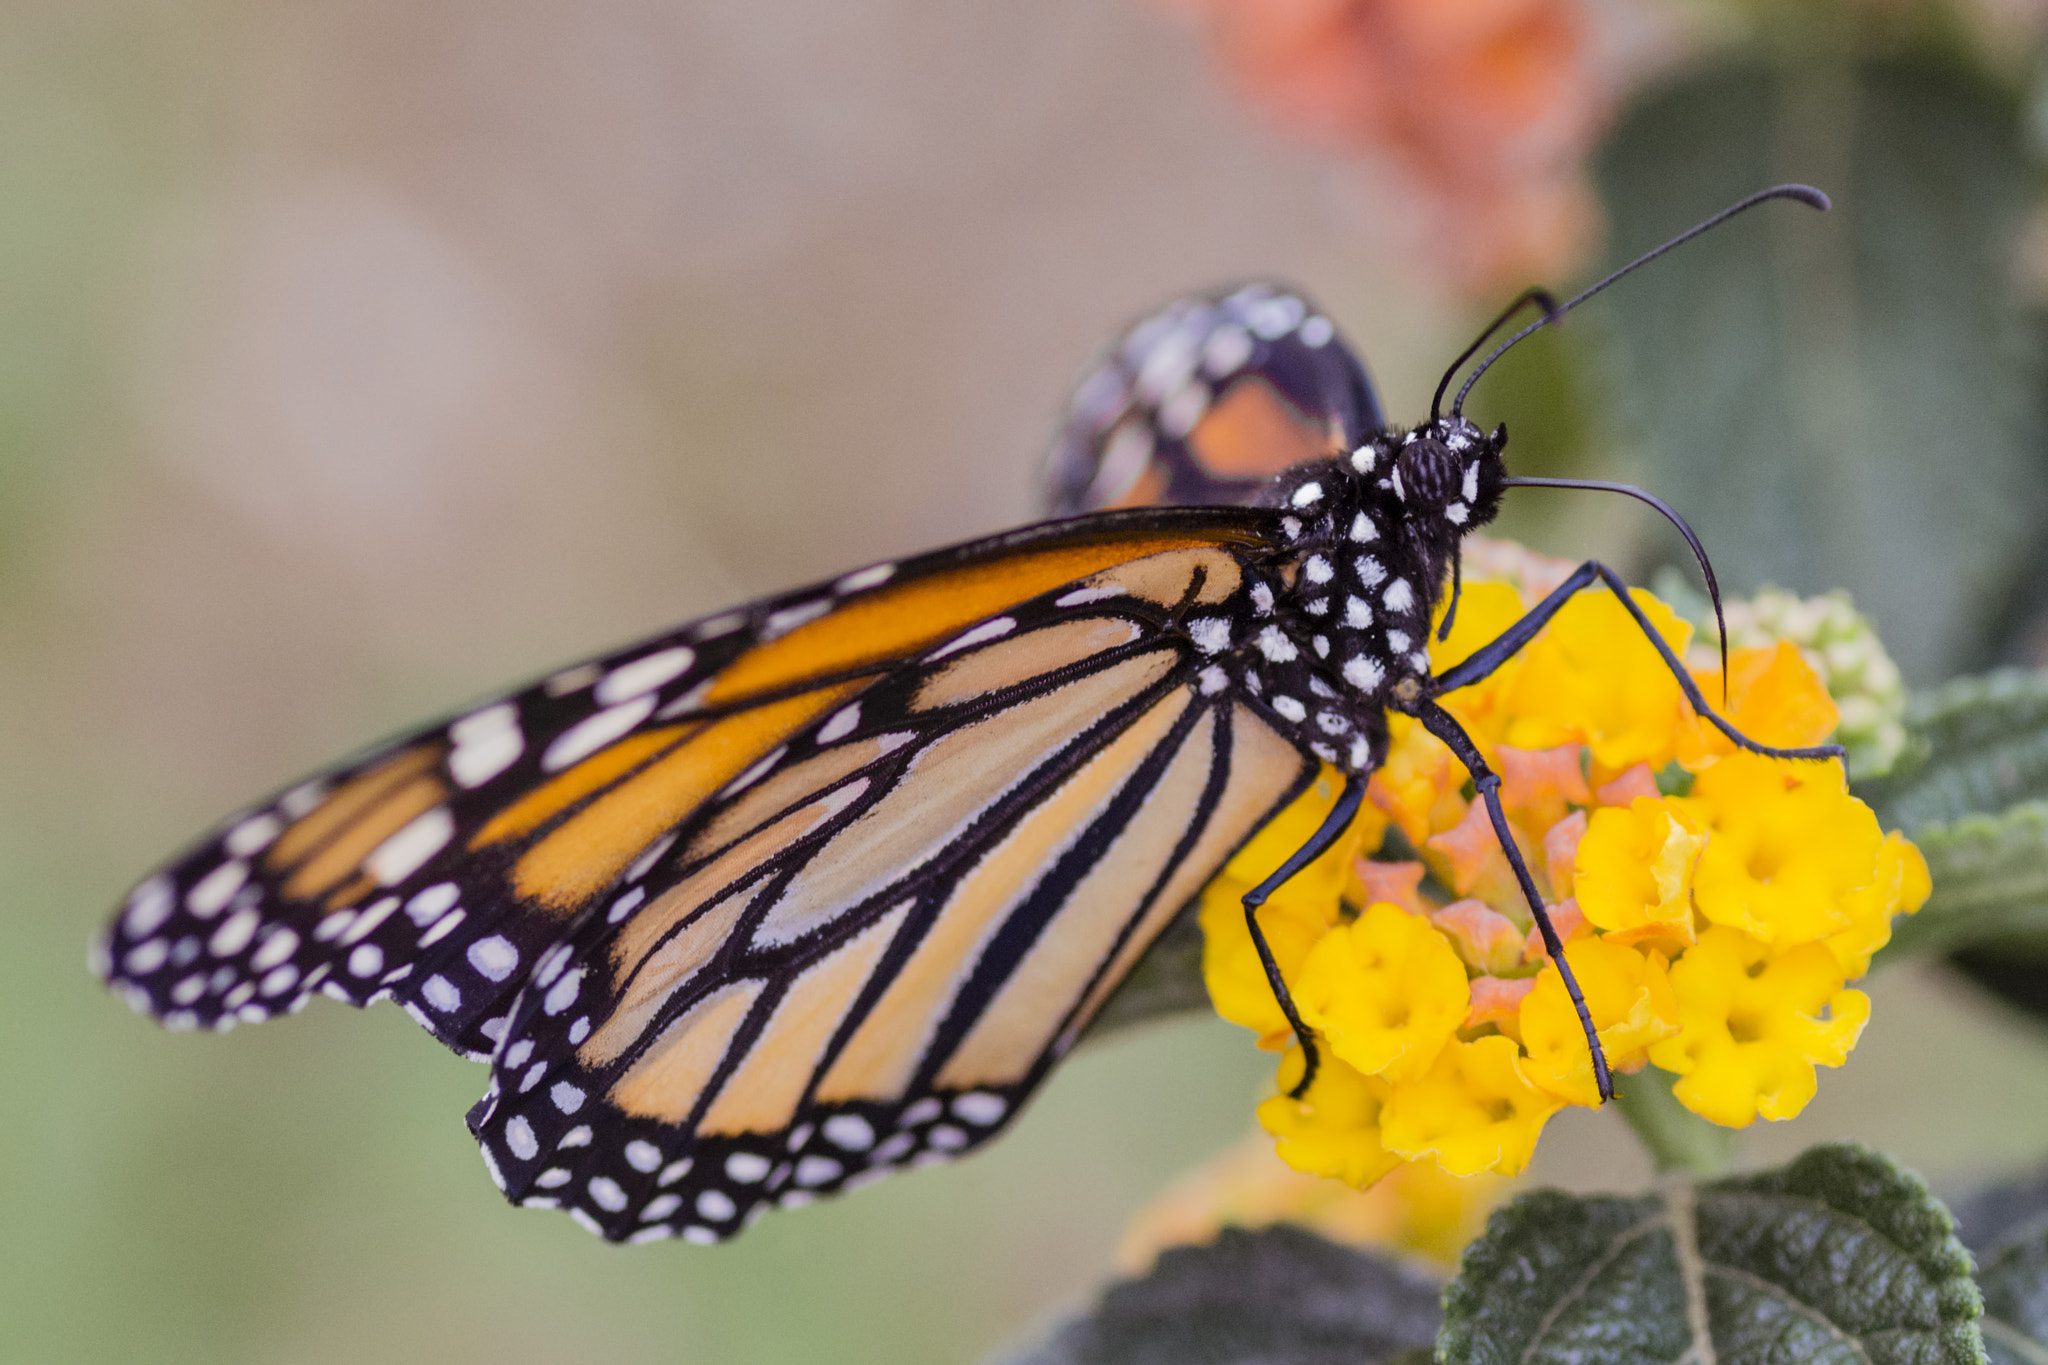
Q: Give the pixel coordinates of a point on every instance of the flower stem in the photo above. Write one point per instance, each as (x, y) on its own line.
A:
(1677, 1138)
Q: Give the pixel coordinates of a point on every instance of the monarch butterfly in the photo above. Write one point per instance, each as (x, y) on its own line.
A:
(769, 906)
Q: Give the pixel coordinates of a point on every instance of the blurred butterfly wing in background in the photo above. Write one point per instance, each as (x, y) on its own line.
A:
(1204, 401)
(777, 901)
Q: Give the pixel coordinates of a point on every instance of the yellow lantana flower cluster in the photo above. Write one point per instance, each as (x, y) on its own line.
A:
(1715, 904)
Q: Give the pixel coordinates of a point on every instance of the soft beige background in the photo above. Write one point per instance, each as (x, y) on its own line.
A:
(359, 357)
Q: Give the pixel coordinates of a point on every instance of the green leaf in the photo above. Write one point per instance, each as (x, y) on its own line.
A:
(1975, 747)
(1279, 1296)
(1841, 400)
(1972, 792)
(1990, 882)
(1841, 1256)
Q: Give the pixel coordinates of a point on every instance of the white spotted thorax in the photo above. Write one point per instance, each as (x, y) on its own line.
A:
(1341, 629)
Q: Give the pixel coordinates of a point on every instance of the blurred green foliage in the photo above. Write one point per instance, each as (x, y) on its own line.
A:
(1843, 399)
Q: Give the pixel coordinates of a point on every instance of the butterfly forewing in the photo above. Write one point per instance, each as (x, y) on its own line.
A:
(766, 876)
(867, 952)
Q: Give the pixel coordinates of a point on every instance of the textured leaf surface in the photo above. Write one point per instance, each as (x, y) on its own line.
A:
(1976, 746)
(1840, 1256)
(1990, 882)
(1840, 400)
(1279, 1296)
(1973, 793)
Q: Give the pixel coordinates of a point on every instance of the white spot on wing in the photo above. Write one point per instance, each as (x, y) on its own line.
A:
(782, 622)
(253, 835)
(849, 1132)
(441, 993)
(1308, 495)
(211, 893)
(746, 1167)
(493, 957)
(980, 1108)
(760, 769)
(1179, 413)
(594, 732)
(1362, 529)
(1398, 596)
(1228, 348)
(988, 630)
(486, 744)
(725, 624)
(1082, 596)
(149, 905)
(862, 579)
(606, 1194)
(840, 726)
(405, 852)
(520, 1139)
(278, 946)
(644, 674)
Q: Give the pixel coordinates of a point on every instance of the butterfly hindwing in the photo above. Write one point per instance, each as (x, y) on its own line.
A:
(1203, 402)
(866, 952)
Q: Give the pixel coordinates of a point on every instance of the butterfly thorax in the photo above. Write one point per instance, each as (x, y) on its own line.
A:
(1363, 555)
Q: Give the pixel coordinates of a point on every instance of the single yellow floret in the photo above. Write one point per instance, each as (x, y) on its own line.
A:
(1474, 1110)
(1334, 1129)
(1628, 993)
(1901, 886)
(1592, 676)
(1386, 992)
(1774, 696)
(1634, 870)
(1753, 1024)
(1791, 849)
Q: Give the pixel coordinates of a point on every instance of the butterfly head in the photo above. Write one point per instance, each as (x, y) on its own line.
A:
(1447, 472)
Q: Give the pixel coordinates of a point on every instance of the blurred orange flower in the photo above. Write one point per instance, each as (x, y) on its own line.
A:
(1483, 109)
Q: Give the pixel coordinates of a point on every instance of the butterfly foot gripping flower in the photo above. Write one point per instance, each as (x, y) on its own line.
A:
(1714, 905)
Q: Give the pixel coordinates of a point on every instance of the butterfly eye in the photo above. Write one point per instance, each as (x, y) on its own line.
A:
(1429, 471)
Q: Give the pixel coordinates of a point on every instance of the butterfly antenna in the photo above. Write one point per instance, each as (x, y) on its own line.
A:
(1805, 194)
(1537, 295)
(1699, 551)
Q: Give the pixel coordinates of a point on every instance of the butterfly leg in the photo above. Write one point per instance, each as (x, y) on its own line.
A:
(1445, 727)
(1334, 824)
(1510, 641)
